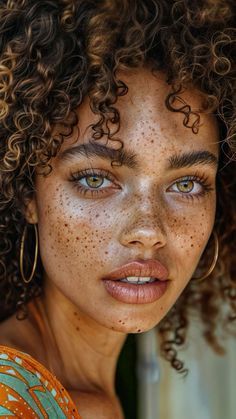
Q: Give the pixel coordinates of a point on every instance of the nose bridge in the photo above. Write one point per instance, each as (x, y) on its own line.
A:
(149, 213)
(148, 202)
(144, 225)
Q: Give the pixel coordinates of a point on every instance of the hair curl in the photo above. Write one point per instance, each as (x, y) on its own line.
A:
(53, 53)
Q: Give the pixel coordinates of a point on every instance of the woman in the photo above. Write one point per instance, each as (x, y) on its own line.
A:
(117, 188)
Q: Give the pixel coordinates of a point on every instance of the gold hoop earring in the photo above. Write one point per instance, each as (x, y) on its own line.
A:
(22, 254)
(213, 264)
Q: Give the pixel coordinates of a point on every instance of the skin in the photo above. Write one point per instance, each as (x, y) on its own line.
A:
(140, 215)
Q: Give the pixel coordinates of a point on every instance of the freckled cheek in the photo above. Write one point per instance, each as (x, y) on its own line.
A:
(189, 236)
(71, 235)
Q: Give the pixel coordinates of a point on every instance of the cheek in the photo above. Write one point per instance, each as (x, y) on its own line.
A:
(190, 233)
(71, 235)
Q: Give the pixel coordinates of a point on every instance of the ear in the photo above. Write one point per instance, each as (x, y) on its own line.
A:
(31, 213)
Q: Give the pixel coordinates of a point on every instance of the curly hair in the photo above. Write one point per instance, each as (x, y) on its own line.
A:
(53, 53)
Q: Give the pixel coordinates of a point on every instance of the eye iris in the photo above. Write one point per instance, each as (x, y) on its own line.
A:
(185, 185)
(94, 180)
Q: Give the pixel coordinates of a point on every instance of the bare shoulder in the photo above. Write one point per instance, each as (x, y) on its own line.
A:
(19, 334)
(90, 405)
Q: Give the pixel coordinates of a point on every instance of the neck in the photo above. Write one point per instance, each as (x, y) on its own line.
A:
(87, 352)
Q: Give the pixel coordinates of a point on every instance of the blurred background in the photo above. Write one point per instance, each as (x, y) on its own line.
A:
(207, 392)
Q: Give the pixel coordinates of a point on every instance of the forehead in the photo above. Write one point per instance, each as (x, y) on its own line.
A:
(146, 122)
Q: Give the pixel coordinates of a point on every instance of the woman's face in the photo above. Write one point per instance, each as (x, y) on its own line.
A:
(163, 209)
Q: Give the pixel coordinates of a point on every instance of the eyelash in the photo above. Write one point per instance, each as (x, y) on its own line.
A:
(201, 179)
(75, 177)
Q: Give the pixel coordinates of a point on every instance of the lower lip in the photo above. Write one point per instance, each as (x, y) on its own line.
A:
(135, 294)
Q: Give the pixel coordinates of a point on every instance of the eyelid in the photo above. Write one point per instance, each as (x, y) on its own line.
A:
(196, 176)
(75, 177)
(92, 172)
(201, 179)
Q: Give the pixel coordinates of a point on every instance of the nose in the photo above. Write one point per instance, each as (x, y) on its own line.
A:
(144, 232)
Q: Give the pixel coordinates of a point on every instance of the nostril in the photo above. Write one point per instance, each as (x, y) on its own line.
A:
(143, 237)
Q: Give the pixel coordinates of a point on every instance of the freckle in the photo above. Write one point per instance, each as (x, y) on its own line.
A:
(66, 225)
(77, 238)
(77, 328)
(192, 245)
(120, 321)
(75, 313)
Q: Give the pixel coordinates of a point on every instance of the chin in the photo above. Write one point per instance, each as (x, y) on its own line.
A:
(128, 327)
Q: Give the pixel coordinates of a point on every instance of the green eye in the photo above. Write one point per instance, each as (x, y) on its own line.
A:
(94, 181)
(185, 186)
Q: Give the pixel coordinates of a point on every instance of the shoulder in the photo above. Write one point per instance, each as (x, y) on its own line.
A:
(28, 388)
(13, 331)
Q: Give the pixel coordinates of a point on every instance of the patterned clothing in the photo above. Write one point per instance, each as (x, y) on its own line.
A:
(29, 390)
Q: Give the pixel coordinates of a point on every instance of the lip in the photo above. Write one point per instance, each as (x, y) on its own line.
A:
(137, 293)
(138, 267)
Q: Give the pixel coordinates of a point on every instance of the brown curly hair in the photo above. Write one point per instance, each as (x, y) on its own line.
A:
(53, 53)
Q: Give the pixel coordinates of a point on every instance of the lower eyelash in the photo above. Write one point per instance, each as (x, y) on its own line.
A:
(83, 190)
(193, 196)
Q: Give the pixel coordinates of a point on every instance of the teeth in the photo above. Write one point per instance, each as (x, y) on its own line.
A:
(138, 279)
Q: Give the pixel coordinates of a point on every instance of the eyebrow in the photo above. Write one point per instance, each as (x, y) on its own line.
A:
(192, 158)
(94, 149)
(129, 158)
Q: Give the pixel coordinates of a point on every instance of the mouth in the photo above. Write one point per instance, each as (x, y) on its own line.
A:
(138, 282)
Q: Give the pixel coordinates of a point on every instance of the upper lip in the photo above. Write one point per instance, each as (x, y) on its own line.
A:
(150, 267)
